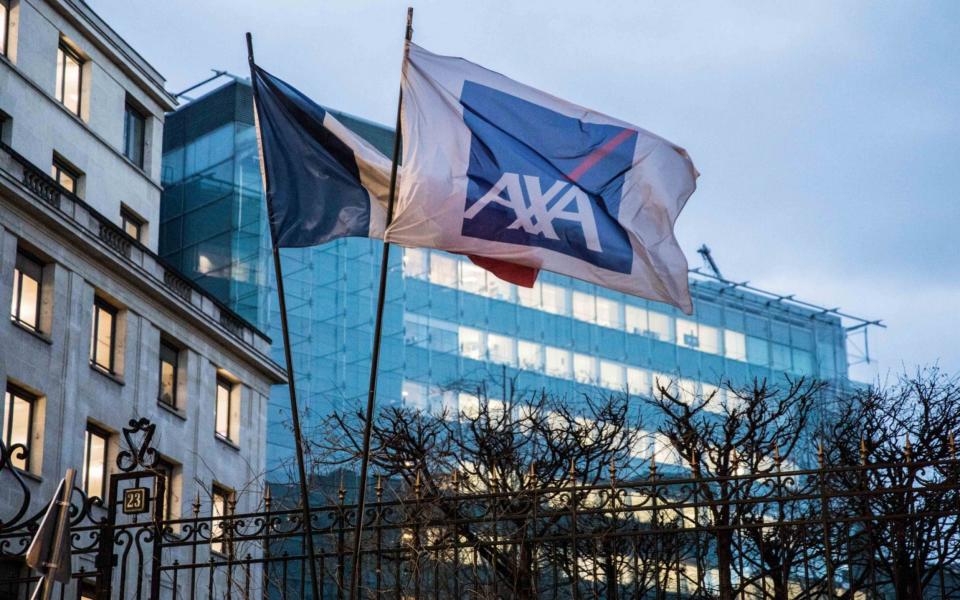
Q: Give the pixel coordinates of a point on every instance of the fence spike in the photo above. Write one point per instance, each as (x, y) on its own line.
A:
(613, 471)
(863, 451)
(908, 449)
(379, 487)
(417, 484)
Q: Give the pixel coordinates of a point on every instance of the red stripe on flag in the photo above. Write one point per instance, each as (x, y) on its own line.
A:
(598, 154)
(510, 272)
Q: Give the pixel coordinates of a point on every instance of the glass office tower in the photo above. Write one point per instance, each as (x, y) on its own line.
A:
(448, 321)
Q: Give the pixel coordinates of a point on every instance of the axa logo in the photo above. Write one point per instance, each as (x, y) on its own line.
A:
(541, 206)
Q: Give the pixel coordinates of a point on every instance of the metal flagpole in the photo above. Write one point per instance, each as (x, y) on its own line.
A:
(377, 331)
(288, 356)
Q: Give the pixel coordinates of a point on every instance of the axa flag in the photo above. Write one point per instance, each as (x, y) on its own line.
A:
(499, 169)
(322, 180)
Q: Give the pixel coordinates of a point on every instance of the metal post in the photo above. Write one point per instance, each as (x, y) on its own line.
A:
(288, 356)
(377, 333)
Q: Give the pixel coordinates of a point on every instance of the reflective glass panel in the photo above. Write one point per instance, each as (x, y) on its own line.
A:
(471, 343)
(558, 362)
(735, 345)
(530, 355)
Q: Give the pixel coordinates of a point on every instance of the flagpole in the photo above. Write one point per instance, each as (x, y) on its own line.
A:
(377, 333)
(288, 356)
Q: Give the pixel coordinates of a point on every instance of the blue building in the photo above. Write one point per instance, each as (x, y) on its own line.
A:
(447, 320)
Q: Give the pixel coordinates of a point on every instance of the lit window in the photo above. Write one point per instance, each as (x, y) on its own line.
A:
(471, 343)
(529, 297)
(734, 345)
(659, 326)
(18, 423)
(167, 470)
(636, 319)
(134, 125)
(662, 380)
(69, 78)
(27, 281)
(501, 349)
(709, 339)
(712, 396)
(414, 395)
(468, 405)
(530, 354)
(131, 224)
(583, 307)
(472, 278)
(584, 368)
(554, 299)
(95, 462)
(688, 391)
(443, 270)
(608, 313)
(687, 334)
(498, 288)
(415, 263)
(612, 375)
(220, 505)
(103, 335)
(4, 24)
(169, 355)
(558, 362)
(64, 175)
(222, 416)
(637, 381)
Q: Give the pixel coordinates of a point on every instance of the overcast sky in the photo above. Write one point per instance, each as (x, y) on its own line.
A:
(827, 134)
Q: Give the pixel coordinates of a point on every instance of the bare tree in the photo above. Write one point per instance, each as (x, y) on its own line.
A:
(750, 433)
(522, 453)
(908, 537)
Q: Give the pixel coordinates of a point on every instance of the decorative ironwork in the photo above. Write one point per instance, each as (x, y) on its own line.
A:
(177, 284)
(807, 536)
(115, 238)
(140, 455)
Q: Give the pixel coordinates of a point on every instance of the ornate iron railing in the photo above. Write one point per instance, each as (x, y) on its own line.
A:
(826, 532)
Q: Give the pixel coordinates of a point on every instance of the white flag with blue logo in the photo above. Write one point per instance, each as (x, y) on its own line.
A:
(495, 168)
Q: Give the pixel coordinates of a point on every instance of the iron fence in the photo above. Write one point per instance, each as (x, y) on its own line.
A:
(864, 531)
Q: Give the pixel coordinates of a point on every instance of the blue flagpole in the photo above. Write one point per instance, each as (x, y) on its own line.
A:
(377, 333)
(288, 356)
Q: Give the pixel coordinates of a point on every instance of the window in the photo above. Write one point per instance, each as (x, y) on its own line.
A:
(471, 343)
(530, 355)
(103, 336)
(220, 505)
(659, 326)
(583, 307)
(65, 175)
(414, 395)
(501, 349)
(222, 417)
(472, 278)
(709, 339)
(165, 469)
(554, 299)
(585, 368)
(529, 297)
(415, 263)
(687, 334)
(636, 318)
(4, 24)
(608, 313)
(637, 381)
(734, 345)
(18, 423)
(131, 224)
(443, 270)
(27, 281)
(134, 125)
(612, 375)
(169, 355)
(95, 462)
(69, 78)
(558, 362)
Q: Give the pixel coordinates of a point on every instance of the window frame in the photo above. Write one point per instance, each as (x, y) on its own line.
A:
(127, 217)
(101, 304)
(165, 468)
(131, 109)
(60, 167)
(17, 299)
(59, 94)
(229, 386)
(13, 391)
(176, 367)
(5, 27)
(220, 543)
(88, 433)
